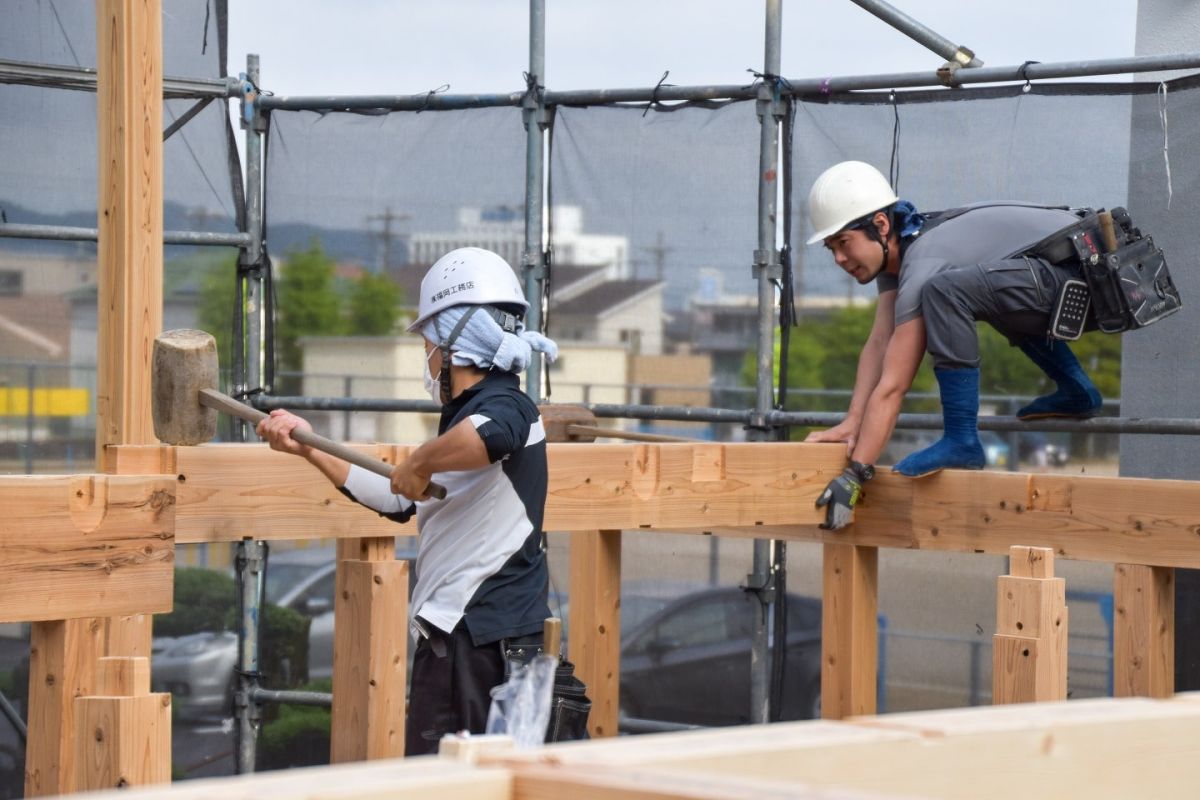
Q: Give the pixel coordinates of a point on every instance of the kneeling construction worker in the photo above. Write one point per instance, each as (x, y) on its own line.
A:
(936, 278)
(481, 591)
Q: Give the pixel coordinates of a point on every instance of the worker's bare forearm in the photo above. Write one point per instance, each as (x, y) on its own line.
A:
(883, 408)
(459, 448)
(870, 368)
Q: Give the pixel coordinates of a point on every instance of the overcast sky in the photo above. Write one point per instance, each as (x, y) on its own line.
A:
(410, 46)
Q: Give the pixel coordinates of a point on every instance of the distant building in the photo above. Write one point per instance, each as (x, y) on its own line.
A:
(501, 229)
(627, 313)
(586, 305)
(725, 326)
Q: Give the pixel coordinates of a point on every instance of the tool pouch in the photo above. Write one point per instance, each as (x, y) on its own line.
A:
(1131, 286)
(569, 707)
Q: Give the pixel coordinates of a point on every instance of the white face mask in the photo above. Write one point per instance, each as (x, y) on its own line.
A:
(432, 385)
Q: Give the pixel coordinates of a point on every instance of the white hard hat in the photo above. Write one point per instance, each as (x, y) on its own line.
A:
(468, 276)
(846, 192)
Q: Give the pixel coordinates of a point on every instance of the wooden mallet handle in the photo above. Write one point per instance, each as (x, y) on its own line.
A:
(552, 637)
(223, 402)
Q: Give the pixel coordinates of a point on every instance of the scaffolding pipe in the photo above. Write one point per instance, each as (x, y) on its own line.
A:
(766, 271)
(315, 699)
(1131, 425)
(66, 233)
(251, 583)
(28, 73)
(920, 33)
(250, 264)
(795, 87)
(267, 402)
(534, 113)
(252, 561)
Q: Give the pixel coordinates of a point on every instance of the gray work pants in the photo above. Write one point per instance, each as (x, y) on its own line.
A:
(1015, 296)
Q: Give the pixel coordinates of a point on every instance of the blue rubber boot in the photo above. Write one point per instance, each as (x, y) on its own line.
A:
(1075, 397)
(959, 447)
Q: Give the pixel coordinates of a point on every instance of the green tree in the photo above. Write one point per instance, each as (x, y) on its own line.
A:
(373, 306)
(218, 291)
(308, 303)
(823, 354)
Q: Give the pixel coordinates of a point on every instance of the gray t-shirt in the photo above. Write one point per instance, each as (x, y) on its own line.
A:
(984, 234)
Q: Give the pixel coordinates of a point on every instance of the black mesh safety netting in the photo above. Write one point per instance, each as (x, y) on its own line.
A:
(49, 133)
(369, 188)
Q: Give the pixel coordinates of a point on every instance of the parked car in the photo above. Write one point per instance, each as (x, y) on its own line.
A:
(1038, 449)
(690, 661)
(198, 669)
(685, 653)
(995, 449)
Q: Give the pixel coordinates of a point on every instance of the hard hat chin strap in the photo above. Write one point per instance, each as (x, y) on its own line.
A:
(867, 225)
(874, 234)
(507, 322)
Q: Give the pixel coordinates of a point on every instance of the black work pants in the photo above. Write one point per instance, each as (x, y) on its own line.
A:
(452, 680)
(1015, 296)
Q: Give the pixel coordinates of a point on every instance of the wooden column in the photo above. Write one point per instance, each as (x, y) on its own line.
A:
(1143, 631)
(123, 733)
(130, 225)
(849, 631)
(594, 629)
(62, 667)
(370, 651)
(1029, 650)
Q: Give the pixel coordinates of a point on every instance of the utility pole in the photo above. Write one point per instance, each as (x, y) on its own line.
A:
(659, 252)
(386, 236)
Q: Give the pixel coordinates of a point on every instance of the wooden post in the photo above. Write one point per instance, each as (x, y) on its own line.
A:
(129, 247)
(1143, 631)
(62, 666)
(849, 631)
(1029, 650)
(370, 651)
(123, 734)
(594, 630)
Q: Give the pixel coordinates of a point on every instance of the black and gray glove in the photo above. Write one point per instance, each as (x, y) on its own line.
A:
(842, 494)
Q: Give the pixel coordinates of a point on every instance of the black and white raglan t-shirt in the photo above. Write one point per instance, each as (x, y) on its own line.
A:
(479, 556)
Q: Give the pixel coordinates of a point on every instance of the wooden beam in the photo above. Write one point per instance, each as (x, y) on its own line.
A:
(1143, 631)
(123, 735)
(1104, 748)
(62, 666)
(369, 655)
(767, 491)
(230, 491)
(1029, 650)
(1113, 520)
(85, 545)
(595, 624)
(602, 783)
(375, 780)
(227, 490)
(849, 631)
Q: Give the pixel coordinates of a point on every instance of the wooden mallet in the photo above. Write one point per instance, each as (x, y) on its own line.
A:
(185, 401)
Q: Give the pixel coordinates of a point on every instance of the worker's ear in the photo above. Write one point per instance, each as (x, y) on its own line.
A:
(883, 223)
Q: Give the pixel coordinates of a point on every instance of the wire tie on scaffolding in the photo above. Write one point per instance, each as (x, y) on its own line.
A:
(654, 102)
(247, 394)
(445, 87)
(1023, 73)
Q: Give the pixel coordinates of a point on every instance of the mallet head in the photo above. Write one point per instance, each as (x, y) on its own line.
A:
(184, 362)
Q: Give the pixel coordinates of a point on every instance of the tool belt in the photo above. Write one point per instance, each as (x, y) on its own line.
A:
(1126, 273)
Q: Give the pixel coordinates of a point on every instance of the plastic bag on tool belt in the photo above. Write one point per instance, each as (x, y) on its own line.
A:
(521, 705)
